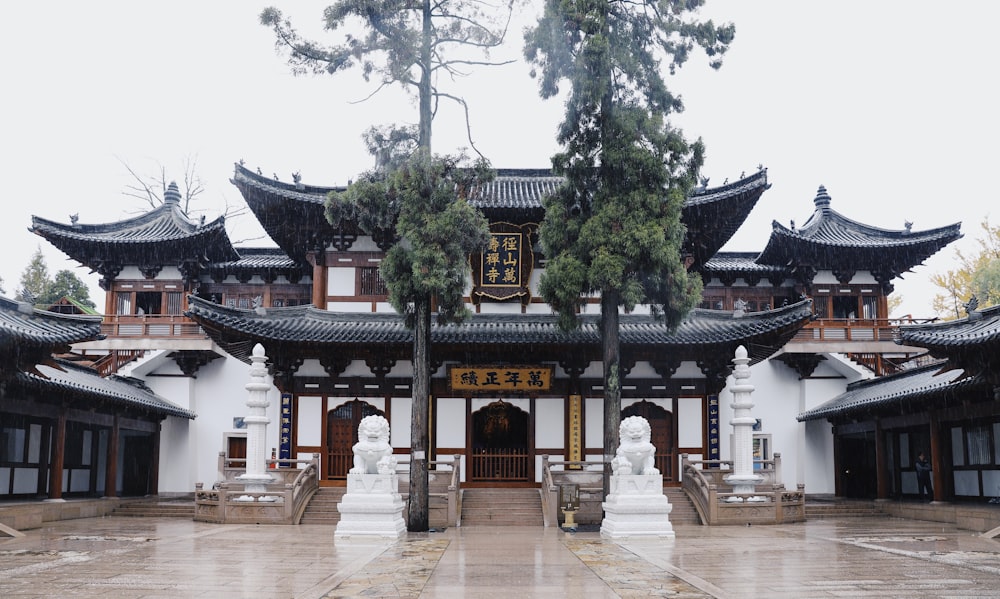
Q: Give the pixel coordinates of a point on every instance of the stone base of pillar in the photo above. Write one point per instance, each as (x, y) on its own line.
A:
(372, 507)
(637, 507)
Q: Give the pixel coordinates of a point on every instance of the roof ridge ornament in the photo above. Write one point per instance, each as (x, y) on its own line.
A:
(822, 199)
(172, 195)
(971, 308)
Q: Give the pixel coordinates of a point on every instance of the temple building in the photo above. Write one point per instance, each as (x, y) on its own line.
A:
(66, 430)
(184, 309)
(946, 410)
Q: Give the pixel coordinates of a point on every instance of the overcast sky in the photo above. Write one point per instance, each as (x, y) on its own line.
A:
(890, 104)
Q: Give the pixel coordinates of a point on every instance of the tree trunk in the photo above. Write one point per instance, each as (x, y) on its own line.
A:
(426, 114)
(612, 384)
(417, 514)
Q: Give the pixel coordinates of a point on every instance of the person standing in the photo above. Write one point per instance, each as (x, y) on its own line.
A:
(923, 468)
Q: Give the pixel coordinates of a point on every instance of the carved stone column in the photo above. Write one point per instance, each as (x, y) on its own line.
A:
(743, 478)
(256, 476)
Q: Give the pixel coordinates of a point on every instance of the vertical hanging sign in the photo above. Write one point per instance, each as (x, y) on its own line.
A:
(285, 444)
(713, 429)
(575, 417)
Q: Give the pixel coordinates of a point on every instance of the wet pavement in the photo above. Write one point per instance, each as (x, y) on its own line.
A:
(176, 558)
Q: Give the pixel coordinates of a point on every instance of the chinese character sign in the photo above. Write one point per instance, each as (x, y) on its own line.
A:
(502, 378)
(502, 271)
(502, 260)
(285, 444)
(713, 428)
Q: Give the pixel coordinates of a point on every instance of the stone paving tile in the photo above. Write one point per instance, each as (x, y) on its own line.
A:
(627, 575)
(401, 571)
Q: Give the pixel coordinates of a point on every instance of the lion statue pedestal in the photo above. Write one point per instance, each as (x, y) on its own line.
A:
(636, 505)
(372, 505)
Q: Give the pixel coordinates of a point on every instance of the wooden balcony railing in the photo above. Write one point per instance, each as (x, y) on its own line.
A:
(853, 329)
(150, 326)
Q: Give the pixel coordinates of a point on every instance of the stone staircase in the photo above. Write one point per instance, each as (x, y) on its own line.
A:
(818, 508)
(501, 507)
(322, 508)
(156, 507)
(683, 511)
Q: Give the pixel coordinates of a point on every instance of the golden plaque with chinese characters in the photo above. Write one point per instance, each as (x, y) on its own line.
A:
(501, 272)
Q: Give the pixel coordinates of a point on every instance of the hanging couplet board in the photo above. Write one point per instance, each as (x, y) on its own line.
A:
(502, 270)
(500, 378)
(574, 448)
(285, 445)
(713, 428)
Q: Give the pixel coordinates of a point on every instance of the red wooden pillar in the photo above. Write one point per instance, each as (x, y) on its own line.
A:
(58, 458)
(111, 472)
(937, 463)
(319, 281)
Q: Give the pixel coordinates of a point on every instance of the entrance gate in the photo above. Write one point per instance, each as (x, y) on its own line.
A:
(500, 449)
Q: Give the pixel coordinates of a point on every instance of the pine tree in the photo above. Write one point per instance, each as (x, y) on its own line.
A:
(614, 228)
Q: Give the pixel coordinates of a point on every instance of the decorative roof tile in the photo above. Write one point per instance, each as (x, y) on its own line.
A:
(293, 214)
(164, 234)
(22, 325)
(85, 383)
(887, 393)
(831, 240)
(236, 330)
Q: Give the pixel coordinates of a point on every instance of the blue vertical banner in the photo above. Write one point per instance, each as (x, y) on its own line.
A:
(713, 429)
(285, 446)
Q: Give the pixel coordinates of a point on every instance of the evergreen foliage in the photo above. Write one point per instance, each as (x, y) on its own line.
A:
(614, 228)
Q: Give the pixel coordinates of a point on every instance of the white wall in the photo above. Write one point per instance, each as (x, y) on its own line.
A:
(217, 395)
(779, 396)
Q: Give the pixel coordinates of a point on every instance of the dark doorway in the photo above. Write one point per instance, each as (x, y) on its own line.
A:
(856, 469)
(500, 444)
(341, 435)
(137, 463)
(661, 424)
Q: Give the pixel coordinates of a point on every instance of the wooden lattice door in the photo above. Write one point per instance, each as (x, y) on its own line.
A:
(661, 424)
(500, 444)
(341, 435)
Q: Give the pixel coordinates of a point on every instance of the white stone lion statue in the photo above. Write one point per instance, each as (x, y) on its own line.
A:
(635, 452)
(372, 452)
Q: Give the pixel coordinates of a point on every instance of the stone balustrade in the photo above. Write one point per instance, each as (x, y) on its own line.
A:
(282, 501)
(770, 503)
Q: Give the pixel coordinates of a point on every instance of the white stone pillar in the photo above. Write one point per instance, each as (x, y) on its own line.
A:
(743, 478)
(256, 476)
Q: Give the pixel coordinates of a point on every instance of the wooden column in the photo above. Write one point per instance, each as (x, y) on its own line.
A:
(154, 475)
(937, 463)
(881, 469)
(838, 487)
(58, 458)
(319, 281)
(111, 472)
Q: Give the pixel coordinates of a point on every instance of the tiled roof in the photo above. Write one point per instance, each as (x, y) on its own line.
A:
(293, 214)
(981, 331)
(740, 262)
(889, 392)
(830, 239)
(258, 259)
(146, 239)
(21, 325)
(237, 330)
(84, 383)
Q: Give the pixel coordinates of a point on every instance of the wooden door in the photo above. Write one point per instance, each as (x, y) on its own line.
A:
(661, 424)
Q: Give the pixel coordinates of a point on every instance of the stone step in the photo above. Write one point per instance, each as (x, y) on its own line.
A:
(155, 509)
(501, 507)
(322, 508)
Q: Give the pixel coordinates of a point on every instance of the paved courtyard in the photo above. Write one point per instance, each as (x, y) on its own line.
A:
(177, 558)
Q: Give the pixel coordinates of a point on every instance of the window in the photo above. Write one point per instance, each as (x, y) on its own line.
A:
(370, 282)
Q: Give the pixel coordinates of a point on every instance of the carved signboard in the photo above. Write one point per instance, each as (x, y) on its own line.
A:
(500, 378)
(502, 270)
